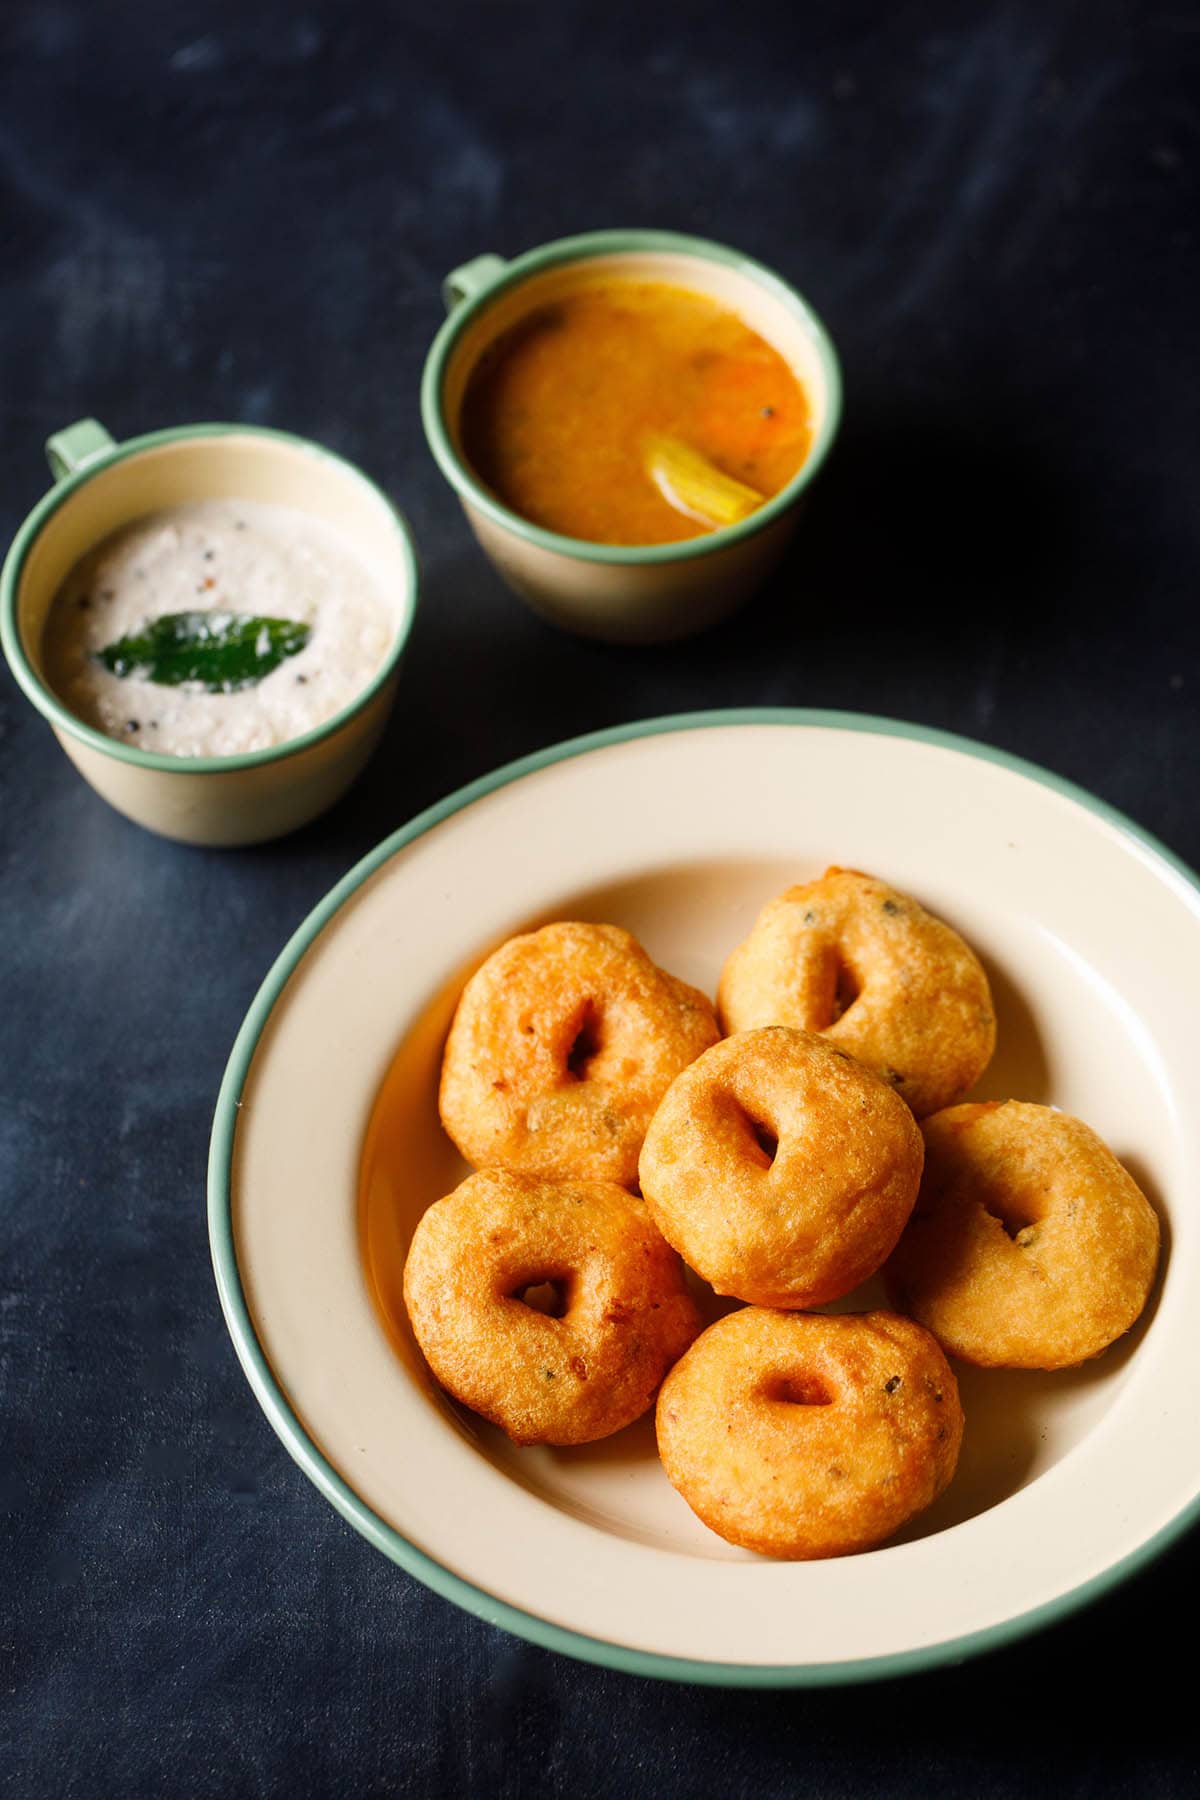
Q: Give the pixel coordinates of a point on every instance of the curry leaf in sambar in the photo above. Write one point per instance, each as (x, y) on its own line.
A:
(223, 651)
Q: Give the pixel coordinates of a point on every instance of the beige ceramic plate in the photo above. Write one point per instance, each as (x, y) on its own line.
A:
(327, 1148)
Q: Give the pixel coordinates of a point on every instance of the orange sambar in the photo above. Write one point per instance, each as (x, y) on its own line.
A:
(558, 409)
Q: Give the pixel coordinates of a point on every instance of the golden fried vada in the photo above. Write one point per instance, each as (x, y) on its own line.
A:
(1030, 1247)
(806, 1435)
(563, 1044)
(780, 1168)
(618, 1312)
(873, 971)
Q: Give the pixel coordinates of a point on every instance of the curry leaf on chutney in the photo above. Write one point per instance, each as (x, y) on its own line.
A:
(222, 650)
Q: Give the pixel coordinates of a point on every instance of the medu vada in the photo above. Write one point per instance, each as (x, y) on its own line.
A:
(563, 1044)
(780, 1168)
(1030, 1246)
(807, 1435)
(873, 971)
(614, 1310)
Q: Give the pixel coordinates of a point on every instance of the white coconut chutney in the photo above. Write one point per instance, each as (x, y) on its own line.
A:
(219, 556)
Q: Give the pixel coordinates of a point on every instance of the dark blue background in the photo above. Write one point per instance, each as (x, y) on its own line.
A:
(243, 211)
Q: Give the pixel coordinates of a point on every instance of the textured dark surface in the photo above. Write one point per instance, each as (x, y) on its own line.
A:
(243, 211)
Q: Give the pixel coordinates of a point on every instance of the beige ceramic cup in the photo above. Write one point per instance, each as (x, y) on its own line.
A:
(637, 593)
(102, 485)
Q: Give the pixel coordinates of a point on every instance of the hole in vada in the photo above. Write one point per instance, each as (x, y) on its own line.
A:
(544, 1296)
(1016, 1220)
(765, 1140)
(585, 1047)
(798, 1390)
(846, 990)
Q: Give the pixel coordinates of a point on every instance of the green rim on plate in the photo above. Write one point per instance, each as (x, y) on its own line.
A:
(326, 1478)
(579, 249)
(47, 701)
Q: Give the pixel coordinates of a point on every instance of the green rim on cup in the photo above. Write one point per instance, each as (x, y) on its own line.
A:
(368, 1522)
(470, 290)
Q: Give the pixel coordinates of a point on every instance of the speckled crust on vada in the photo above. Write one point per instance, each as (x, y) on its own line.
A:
(870, 969)
(806, 1435)
(563, 1044)
(620, 1313)
(781, 1169)
(1030, 1246)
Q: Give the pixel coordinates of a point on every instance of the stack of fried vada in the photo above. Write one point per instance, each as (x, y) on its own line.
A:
(619, 1135)
(562, 1046)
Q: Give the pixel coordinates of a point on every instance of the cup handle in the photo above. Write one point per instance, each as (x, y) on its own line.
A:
(75, 445)
(466, 282)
